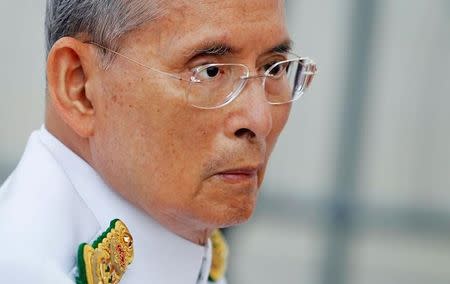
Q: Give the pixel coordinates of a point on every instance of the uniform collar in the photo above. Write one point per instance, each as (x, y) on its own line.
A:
(160, 255)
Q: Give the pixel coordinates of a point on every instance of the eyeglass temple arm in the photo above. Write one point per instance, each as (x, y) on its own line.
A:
(137, 62)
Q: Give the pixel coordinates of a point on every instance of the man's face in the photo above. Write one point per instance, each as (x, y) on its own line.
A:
(181, 164)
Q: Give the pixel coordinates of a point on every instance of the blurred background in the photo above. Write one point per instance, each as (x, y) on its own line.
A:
(358, 189)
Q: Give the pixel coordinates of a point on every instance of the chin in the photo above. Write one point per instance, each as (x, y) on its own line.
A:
(233, 215)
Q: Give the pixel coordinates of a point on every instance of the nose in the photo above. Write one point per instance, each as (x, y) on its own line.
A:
(250, 115)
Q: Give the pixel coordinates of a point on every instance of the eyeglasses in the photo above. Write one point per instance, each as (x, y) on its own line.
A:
(216, 85)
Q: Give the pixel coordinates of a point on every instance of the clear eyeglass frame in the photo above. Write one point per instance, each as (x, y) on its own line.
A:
(301, 77)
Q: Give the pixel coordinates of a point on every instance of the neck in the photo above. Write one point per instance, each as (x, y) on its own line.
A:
(185, 228)
(197, 237)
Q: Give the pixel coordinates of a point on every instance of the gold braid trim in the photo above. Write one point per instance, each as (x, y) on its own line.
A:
(219, 256)
(106, 260)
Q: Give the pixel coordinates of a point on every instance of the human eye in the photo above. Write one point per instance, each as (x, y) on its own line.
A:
(275, 67)
(209, 72)
(278, 69)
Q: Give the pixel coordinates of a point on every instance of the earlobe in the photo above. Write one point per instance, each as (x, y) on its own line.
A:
(67, 76)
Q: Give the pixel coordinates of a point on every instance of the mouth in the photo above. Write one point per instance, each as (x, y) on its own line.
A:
(239, 175)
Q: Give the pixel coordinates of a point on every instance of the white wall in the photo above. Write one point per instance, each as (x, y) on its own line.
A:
(21, 76)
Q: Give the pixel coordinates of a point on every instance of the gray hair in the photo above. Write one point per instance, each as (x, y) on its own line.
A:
(102, 21)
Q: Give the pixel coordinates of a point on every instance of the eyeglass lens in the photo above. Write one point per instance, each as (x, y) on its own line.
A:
(215, 85)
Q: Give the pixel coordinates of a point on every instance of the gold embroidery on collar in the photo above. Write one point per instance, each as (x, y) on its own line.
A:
(107, 259)
(219, 256)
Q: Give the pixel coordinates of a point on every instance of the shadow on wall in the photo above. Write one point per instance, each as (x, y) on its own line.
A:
(5, 170)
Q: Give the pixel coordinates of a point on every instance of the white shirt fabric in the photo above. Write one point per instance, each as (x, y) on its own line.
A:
(54, 201)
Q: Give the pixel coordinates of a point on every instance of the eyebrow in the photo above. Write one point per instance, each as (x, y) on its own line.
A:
(211, 48)
(222, 49)
(284, 47)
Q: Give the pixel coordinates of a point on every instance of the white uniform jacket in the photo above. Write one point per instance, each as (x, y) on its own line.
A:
(54, 201)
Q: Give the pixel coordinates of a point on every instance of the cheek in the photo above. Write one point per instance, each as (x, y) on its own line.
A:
(115, 141)
(169, 167)
(162, 148)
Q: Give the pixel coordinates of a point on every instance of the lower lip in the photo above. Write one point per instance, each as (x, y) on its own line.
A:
(235, 178)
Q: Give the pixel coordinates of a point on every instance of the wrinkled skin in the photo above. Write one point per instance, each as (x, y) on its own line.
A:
(180, 164)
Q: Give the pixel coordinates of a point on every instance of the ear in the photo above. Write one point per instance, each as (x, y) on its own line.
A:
(68, 72)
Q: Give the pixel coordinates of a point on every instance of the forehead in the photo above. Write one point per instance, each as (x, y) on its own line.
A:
(255, 25)
(239, 9)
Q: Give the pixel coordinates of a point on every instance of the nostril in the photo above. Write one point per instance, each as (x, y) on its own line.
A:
(245, 132)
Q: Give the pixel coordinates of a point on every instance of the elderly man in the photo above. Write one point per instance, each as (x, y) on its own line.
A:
(161, 114)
